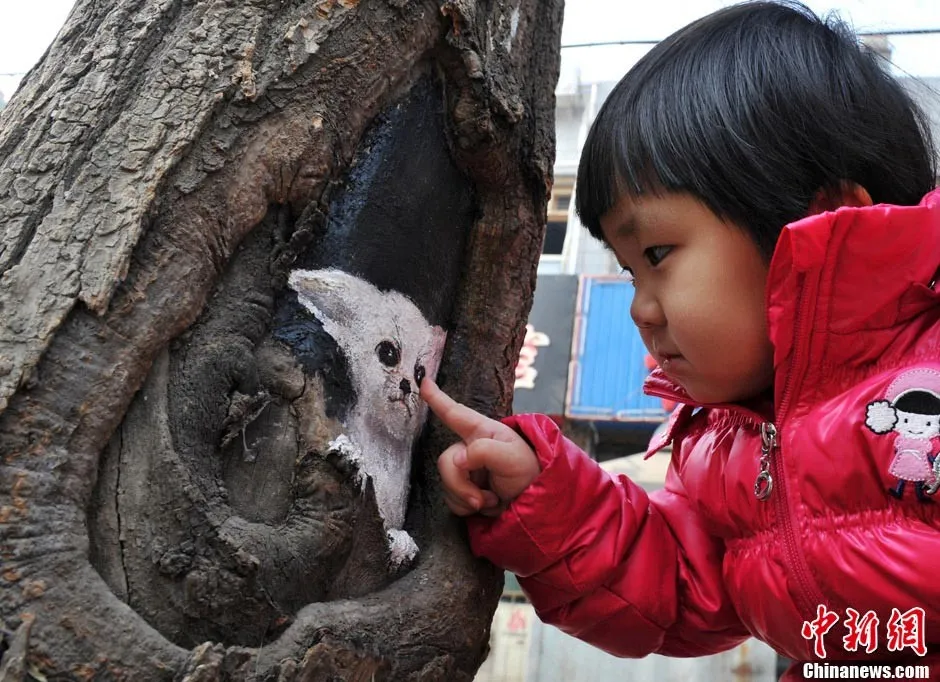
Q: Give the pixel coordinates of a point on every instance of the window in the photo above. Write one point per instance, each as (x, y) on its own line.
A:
(558, 206)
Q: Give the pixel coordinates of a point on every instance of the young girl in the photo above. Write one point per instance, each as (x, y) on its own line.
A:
(768, 187)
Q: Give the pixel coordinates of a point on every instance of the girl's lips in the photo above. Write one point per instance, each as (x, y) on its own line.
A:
(668, 361)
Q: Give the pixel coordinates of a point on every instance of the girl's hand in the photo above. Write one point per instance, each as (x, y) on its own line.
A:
(491, 464)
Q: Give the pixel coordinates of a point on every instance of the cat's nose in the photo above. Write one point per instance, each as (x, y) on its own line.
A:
(405, 386)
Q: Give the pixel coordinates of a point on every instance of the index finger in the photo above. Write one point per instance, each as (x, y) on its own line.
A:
(462, 420)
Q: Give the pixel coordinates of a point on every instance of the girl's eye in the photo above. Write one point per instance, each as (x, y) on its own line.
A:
(627, 273)
(655, 254)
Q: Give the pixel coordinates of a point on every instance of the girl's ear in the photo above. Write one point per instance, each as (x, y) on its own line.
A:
(845, 194)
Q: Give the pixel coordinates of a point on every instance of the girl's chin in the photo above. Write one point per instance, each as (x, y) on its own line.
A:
(712, 395)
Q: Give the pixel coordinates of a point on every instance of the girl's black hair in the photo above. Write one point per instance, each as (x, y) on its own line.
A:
(753, 109)
(918, 402)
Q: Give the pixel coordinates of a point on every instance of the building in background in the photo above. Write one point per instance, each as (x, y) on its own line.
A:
(601, 358)
(924, 91)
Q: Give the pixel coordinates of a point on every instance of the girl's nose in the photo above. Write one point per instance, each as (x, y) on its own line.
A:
(646, 310)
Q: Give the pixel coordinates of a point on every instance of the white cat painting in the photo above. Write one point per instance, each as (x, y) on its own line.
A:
(390, 348)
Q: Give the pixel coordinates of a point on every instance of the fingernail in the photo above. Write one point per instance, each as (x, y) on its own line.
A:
(475, 503)
(460, 459)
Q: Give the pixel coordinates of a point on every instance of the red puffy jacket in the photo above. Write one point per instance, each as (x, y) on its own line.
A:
(849, 522)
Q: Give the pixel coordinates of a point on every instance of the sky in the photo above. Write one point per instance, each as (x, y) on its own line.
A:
(593, 21)
(27, 28)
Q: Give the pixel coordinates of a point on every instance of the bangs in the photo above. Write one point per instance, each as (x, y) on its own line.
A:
(633, 149)
(654, 135)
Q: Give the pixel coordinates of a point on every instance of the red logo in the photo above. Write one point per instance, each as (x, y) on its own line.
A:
(818, 627)
(904, 630)
(863, 631)
(907, 630)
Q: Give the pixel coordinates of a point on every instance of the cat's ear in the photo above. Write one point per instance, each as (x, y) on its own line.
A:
(433, 360)
(439, 338)
(332, 296)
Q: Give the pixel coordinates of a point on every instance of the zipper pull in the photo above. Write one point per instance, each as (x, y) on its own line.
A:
(764, 484)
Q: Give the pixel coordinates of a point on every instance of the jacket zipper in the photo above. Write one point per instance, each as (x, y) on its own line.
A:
(771, 481)
(764, 485)
(809, 593)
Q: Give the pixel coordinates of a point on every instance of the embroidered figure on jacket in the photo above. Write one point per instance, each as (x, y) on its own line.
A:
(911, 408)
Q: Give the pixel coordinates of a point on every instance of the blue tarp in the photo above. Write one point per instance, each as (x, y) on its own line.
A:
(608, 355)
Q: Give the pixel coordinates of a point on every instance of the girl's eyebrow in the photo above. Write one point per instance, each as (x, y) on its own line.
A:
(627, 228)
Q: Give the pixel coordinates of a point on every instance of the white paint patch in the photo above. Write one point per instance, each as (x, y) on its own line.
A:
(311, 40)
(402, 547)
(388, 345)
(305, 33)
(513, 29)
(351, 453)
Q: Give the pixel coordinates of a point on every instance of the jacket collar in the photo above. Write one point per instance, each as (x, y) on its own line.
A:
(864, 269)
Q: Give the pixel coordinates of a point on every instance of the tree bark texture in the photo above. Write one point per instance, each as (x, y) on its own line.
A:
(161, 169)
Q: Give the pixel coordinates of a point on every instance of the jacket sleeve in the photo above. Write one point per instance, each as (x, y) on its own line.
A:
(630, 573)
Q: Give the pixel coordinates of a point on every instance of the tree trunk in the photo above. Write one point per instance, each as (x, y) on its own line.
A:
(176, 502)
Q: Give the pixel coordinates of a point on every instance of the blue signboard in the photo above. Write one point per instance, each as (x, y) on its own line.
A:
(608, 363)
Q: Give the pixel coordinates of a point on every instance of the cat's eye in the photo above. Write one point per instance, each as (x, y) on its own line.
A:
(420, 373)
(388, 353)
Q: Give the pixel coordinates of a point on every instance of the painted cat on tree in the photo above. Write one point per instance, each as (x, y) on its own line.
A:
(390, 347)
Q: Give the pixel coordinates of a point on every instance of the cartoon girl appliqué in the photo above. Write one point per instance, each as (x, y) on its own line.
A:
(912, 408)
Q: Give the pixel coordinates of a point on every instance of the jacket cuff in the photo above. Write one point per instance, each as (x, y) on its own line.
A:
(531, 533)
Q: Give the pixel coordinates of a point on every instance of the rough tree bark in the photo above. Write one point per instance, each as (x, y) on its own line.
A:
(168, 153)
